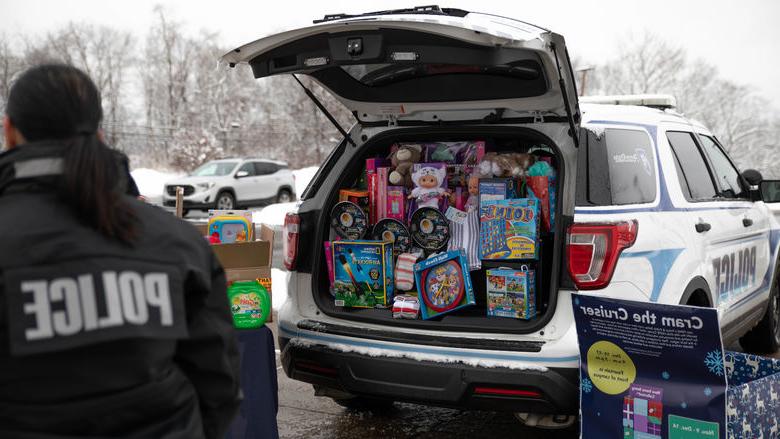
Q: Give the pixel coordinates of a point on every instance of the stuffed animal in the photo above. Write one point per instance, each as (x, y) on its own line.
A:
(521, 163)
(402, 161)
(429, 188)
(497, 165)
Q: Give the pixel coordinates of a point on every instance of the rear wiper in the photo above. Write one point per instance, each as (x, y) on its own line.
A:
(325, 111)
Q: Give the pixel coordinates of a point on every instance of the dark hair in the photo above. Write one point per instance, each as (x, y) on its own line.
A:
(60, 102)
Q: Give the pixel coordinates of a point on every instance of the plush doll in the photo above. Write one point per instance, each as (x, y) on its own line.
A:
(428, 180)
(402, 161)
(472, 202)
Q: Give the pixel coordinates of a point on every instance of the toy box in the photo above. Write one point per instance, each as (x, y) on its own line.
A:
(493, 189)
(363, 273)
(396, 203)
(230, 226)
(509, 229)
(444, 283)
(511, 293)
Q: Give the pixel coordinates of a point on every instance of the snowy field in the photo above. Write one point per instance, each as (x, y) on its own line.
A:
(151, 183)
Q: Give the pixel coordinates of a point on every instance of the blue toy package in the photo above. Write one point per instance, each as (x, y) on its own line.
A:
(363, 273)
(511, 293)
(509, 229)
(444, 283)
(493, 189)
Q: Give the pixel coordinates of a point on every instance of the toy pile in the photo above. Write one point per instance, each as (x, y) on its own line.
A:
(420, 221)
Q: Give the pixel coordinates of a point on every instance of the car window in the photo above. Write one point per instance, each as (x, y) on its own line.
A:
(264, 168)
(724, 171)
(215, 169)
(631, 162)
(692, 171)
(248, 167)
(615, 166)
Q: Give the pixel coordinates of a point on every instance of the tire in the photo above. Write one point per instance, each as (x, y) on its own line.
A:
(225, 201)
(284, 196)
(765, 337)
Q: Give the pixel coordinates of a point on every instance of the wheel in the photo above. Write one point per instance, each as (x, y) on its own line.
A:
(765, 337)
(362, 403)
(225, 201)
(284, 196)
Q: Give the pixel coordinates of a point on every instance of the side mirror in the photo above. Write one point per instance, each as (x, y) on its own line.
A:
(752, 177)
(242, 174)
(770, 191)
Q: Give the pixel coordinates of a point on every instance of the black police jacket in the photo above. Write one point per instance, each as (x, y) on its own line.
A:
(103, 339)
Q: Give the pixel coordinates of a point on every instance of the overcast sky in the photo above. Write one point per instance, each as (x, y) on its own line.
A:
(740, 37)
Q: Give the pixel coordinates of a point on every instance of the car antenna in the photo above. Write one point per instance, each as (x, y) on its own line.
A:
(325, 111)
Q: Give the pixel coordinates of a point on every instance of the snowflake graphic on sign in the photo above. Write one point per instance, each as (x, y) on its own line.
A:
(714, 362)
(587, 385)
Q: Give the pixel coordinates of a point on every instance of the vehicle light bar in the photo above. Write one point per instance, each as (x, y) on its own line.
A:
(659, 101)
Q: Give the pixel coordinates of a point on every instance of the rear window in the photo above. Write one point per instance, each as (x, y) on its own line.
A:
(617, 167)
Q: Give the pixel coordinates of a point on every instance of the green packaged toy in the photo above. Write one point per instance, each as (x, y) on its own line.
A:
(249, 304)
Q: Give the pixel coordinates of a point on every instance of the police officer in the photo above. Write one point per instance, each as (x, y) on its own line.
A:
(114, 320)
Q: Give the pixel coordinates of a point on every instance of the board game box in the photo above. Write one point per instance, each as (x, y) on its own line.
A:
(363, 273)
(444, 283)
(509, 229)
(493, 189)
(511, 293)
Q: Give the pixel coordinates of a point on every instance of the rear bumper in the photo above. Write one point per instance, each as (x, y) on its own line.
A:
(555, 390)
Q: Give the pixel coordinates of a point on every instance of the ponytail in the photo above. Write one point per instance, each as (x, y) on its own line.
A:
(91, 187)
(60, 102)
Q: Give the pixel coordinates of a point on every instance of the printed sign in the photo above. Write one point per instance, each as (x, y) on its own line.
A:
(649, 371)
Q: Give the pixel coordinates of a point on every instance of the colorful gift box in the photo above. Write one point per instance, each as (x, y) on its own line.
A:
(509, 229)
(444, 283)
(363, 273)
(511, 293)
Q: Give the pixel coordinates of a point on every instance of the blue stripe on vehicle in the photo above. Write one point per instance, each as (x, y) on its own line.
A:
(774, 239)
(661, 261)
(420, 350)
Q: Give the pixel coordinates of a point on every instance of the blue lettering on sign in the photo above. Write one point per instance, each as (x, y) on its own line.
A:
(735, 272)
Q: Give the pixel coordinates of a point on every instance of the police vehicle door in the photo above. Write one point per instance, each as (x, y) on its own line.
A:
(741, 266)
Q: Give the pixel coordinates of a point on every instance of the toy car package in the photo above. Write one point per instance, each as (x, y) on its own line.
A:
(363, 273)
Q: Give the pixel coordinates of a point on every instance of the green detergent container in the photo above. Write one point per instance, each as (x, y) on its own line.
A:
(249, 303)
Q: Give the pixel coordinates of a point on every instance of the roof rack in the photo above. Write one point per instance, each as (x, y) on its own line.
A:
(425, 10)
(659, 101)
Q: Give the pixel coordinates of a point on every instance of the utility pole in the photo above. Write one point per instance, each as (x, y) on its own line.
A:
(584, 77)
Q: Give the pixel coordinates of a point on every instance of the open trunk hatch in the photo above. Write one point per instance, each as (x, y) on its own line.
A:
(398, 65)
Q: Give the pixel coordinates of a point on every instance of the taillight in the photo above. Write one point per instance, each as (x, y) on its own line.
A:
(292, 224)
(593, 251)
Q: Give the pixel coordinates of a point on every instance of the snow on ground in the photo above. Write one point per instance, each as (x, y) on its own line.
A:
(278, 287)
(151, 181)
(303, 177)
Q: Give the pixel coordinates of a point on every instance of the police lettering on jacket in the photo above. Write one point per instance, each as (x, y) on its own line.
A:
(60, 307)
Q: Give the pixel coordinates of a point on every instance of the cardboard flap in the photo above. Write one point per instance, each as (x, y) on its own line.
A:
(244, 254)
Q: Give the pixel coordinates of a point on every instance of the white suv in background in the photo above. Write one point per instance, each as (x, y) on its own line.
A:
(233, 183)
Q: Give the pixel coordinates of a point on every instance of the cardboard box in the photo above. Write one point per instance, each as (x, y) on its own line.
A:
(509, 229)
(247, 261)
(363, 272)
(511, 293)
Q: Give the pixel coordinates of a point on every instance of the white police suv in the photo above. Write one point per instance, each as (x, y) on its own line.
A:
(233, 183)
(648, 208)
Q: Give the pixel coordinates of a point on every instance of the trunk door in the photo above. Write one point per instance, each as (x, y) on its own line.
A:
(396, 66)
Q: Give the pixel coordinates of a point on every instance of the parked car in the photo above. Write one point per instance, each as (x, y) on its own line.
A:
(233, 183)
(649, 207)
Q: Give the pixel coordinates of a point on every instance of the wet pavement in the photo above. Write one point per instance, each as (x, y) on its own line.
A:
(305, 416)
